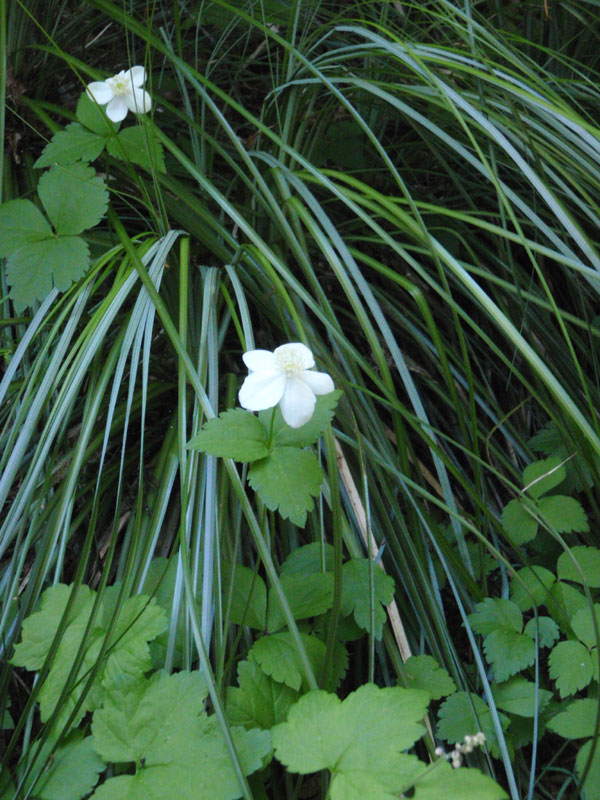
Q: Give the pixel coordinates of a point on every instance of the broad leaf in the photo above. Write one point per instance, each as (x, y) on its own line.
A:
(542, 476)
(73, 144)
(73, 197)
(258, 701)
(308, 596)
(520, 696)
(236, 434)
(313, 557)
(139, 145)
(71, 771)
(585, 570)
(21, 223)
(93, 117)
(530, 586)
(465, 713)
(518, 522)
(244, 596)
(571, 667)
(544, 629)
(307, 434)
(358, 597)
(591, 788)
(278, 657)
(577, 721)
(583, 625)
(287, 480)
(425, 673)
(564, 514)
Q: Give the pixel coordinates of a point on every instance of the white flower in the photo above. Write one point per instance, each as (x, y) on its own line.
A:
(122, 93)
(285, 377)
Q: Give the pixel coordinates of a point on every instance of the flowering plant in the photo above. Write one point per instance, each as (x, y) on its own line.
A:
(122, 93)
(284, 376)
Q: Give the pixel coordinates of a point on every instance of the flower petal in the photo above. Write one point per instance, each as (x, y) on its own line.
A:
(262, 390)
(138, 101)
(295, 352)
(116, 110)
(319, 382)
(137, 75)
(298, 402)
(99, 91)
(259, 360)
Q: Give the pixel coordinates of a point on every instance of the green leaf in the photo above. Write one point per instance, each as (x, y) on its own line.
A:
(308, 596)
(287, 480)
(127, 656)
(73, 197)
(508, 652)
(591, 788)
(139, 145)
(571, 667)
(542, 476)
(564, 514)
(544, 628)
(245, 596)
(93, 117)
(583, 625)
(529, 587)
(178, 750)
(364, 732)
(236, 434)
(577, 721)
(71, 772)
(519, 696)
(496, 613)
(357, 595)
(21, 224)
(588, 561)
(465, 713)
(277, 656)
(309, 558)
(307, 434)
(564, 602)
(34, 269)
(424, 672)
(518, 522)
(73, 144)
(260, 701)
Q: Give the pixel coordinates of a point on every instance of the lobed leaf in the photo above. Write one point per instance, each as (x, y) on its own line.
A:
(73, 197)
(73, 144)
(357, 594)
(236, 434)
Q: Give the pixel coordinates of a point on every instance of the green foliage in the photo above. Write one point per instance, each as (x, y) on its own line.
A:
(70, 770)
(577, 720)
(424, 672)
(162, 728)
(520, 696)
(138, 145)
(73, 144)
(360, 739)
(358, 598)
(307, 595)
(308, 559)
(38, 257)
(278, 657)
(236, 434)
(307, 434)
(571, 666)
(127, 655)
(591, 789)
(506, 647)
(465, 713)
(245, 596)
(287, 480)
(580, 564)
(258, 701)
(530, 586)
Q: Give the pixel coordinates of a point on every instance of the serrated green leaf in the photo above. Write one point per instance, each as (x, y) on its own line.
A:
(21, 224)
(364, 732)
(547, 439)
(310, 558)
(307, 434)
(582, 624)
(424, 672)
(236, 434)
(308, 596)
(564, 601)
(544, 629)
(244, 596)
(518, 522)
(73, 197)
(577, 721)
(73, 144)
(277, 656)
(519, 696)
(71, 772)
(138, 145)
(564, 514)
(178, 750)
(542, 476)
(287, 480)
(258, 701)
(508, 652)
(588, 561)
(494, 613)
(458, 784)
(570, 666)
(357, 595)
(530, 586)
(93, 117)
(591, 788)
(36, 268)
(465, 713)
